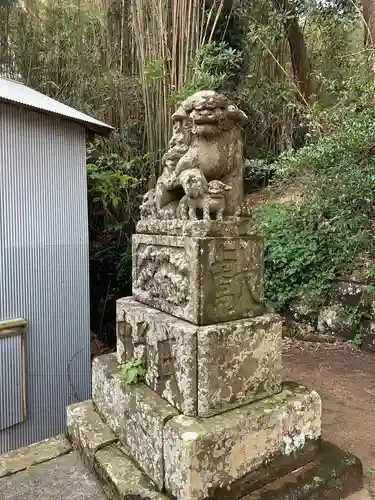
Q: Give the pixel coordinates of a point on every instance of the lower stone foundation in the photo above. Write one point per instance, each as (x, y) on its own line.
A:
(135, 413)
(268, 471)
(202, 456)
(195, 458)
(329, 474)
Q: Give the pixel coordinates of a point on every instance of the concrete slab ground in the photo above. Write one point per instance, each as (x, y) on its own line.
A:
(62, 478)
(21, 459)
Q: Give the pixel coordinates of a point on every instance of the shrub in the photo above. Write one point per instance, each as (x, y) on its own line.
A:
(114, 189)
(308, 244)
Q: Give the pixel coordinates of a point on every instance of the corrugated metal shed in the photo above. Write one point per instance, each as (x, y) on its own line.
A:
(16, 93)
(44, 263)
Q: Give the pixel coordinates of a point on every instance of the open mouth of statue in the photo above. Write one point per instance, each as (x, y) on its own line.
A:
(206, 120)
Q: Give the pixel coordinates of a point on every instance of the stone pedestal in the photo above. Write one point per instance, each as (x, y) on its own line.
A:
(212, 420)
(203, 280)
(202, 370)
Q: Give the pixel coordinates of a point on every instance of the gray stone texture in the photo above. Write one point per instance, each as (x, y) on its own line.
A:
(340, 318)
(87, 431)
(136, 414)
(206, 146)
(202, 280)
(351, 293)
(18, 460)
(238, 362)
(202, 370)
(231, 227)
(331, 319)
(204, 454)
(121, 478)
(102, 453)
(332, 475)
(269, 471)
(167, 346)
(63, 478)
(222, 457)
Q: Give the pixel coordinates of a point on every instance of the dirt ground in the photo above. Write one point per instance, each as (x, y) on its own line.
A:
(345, 379)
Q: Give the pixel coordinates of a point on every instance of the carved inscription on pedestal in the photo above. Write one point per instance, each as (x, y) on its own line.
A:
(233, 278)
(166, 346)
(131, 341)
(166, 368)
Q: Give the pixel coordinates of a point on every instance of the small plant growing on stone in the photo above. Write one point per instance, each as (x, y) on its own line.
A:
(357, 340)
(134, 372)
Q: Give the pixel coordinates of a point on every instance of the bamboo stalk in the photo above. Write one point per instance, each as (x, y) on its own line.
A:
(167, 36)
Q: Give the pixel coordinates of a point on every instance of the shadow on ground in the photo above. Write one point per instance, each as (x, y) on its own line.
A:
(345, 379)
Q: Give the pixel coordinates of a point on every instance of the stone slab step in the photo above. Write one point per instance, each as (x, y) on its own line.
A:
(120, 477)
(87, 431)
(37, 453)
(333, 475)
(63, 478)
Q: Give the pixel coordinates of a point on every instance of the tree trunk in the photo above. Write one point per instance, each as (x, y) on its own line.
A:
(368, 7)
(298, 49)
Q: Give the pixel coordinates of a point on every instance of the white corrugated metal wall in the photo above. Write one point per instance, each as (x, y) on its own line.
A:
(44, 265)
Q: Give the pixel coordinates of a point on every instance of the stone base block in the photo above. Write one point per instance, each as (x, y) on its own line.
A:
(201, 280)
(202, 370)
(329, 474)
(136, 414)
(23, 458)
(87, 431)
(204, 456)
(121, 478)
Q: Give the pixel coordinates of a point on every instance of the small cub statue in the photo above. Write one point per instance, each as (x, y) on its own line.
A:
(210, 197)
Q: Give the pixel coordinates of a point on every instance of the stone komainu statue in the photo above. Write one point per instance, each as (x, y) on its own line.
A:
(206, 146)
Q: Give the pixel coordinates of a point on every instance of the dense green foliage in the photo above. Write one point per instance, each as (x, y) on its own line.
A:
(113, 187)
(324, 234)
(309, 244)
(214, 67)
